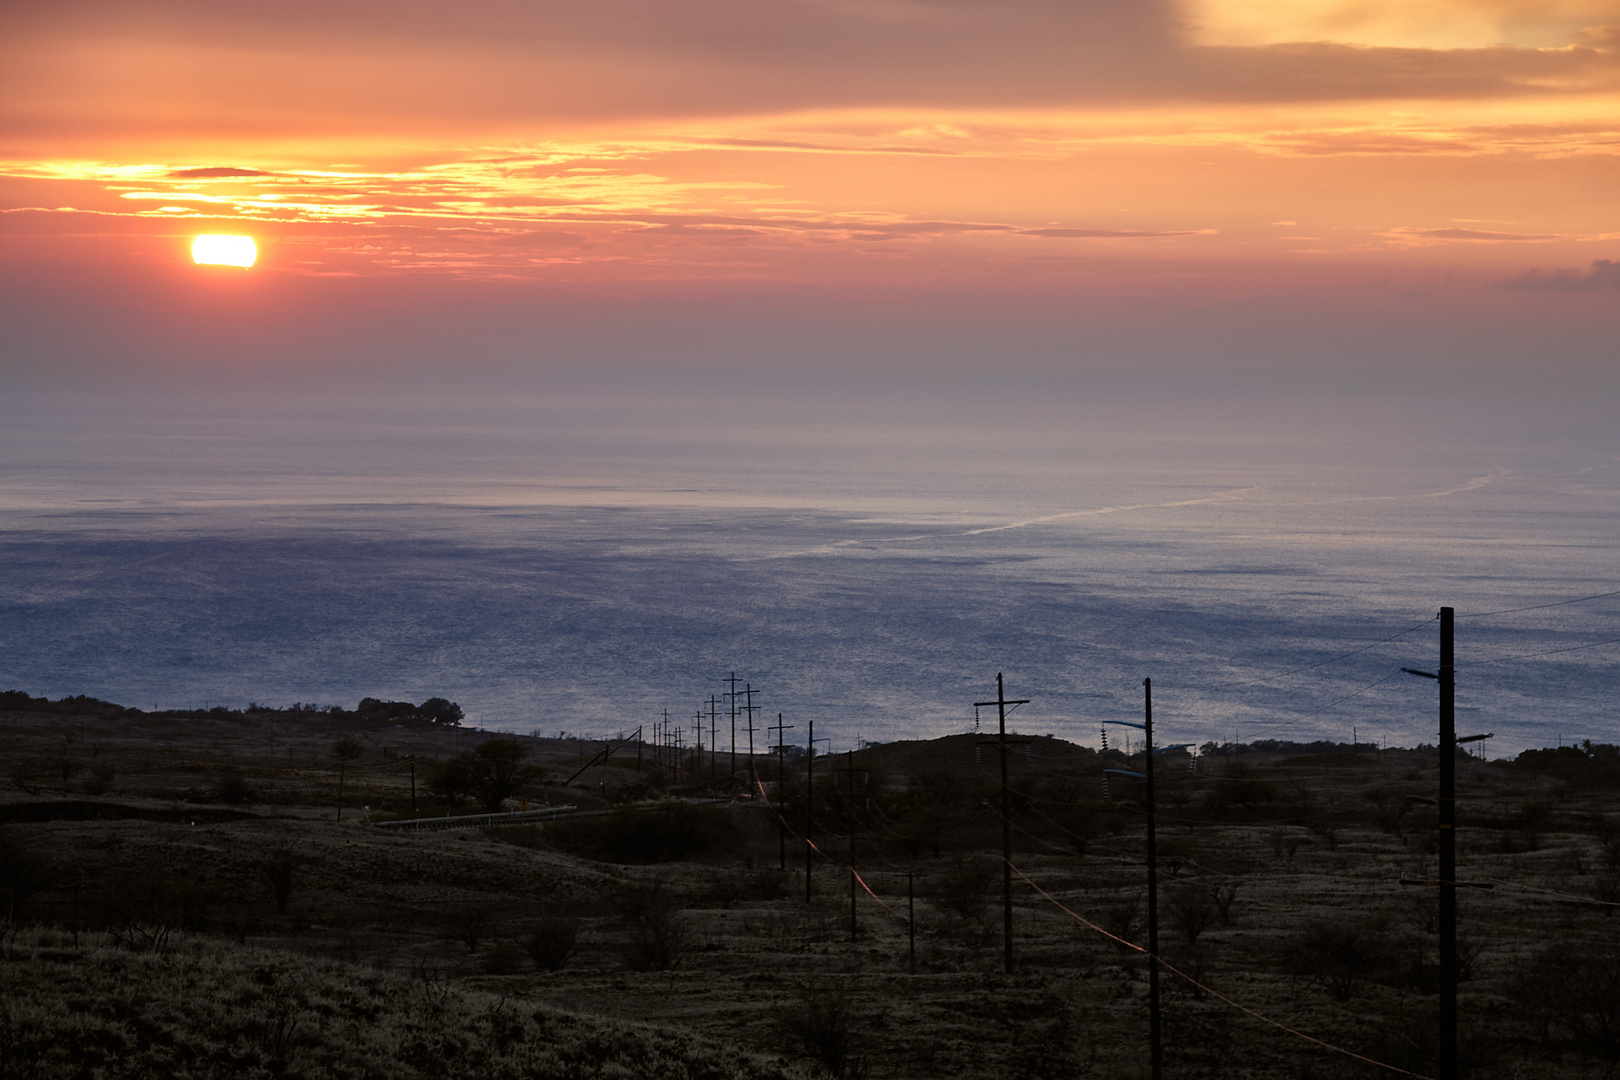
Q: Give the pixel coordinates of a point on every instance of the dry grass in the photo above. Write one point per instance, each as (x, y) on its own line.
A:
(197, 1007)
(1275, 869)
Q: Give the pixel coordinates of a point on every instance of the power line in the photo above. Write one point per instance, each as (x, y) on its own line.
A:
(1212, 992)
(1324, 708)
(1329, 660)
(1546, 652)
(1539, 607)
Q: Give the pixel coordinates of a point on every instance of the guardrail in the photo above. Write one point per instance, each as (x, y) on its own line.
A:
(520, 817)
(477, 821)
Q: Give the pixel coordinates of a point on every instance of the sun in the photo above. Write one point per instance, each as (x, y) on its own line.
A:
(224, 250)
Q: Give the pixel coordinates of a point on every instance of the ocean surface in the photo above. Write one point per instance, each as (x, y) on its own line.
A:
(579, 554)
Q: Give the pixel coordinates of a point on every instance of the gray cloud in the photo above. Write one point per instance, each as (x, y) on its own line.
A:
(504, 58)
(1604, 276)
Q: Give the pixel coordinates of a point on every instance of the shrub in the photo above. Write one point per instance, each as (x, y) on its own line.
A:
(551, 942)
(660, 940)
(234, 790)
(1338, 955)
(143, 911)
(822, 1021)
(964, 890)
(506, 958)
(101, 778)
(1191, 911)
(277, 869)
(247, 1012)
(1223, 898)
(1572, 991)
(28, 775)
(469, 923)
(1119, 917)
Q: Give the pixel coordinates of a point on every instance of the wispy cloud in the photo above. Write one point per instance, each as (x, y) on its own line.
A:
(1440, 236)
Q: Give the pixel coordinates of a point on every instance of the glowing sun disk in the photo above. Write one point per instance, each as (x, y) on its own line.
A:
(224, 250)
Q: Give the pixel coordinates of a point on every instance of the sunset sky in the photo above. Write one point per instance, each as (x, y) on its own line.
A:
(1256, 185)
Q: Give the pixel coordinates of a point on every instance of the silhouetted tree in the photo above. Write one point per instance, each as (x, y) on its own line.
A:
(437, 710)
(490, 773)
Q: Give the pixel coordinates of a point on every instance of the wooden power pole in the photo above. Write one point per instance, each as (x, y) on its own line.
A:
(1001, 704)
(1155, 1042)
(809, 796)
(731, 695)
(1447, 814)
(781, 789)
(1155, 1034)
(750, 708)
(1448, 845)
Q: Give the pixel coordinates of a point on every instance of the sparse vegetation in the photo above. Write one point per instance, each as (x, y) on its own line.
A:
(1280, 886)
(200, 1008)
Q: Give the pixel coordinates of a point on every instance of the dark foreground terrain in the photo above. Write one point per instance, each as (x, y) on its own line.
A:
(186, 895)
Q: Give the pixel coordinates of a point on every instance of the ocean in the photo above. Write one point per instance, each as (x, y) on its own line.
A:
(580, 553)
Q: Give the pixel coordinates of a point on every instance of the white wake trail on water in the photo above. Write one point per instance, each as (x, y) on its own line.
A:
(1222, 496)
(840, 545)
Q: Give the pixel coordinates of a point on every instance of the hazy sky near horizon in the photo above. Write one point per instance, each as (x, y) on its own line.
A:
(1214, 185)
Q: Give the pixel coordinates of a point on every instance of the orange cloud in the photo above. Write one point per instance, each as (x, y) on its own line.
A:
(1064, 149)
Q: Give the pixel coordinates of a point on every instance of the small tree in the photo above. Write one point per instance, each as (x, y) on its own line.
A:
(345, 750)
(1339, 955)
(551, 942)
(824, 1022)
(67, 766)
(277, 868)
(450, 780)
(495, 771)
(470, 924)
(1192, 910)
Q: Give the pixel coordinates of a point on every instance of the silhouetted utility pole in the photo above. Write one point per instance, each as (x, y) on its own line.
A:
(1447, 814)
(748, 694)
(1448, 845)
(731, 695)
(850, 767)
(849, 807)
(781, 788)
(714, 745)
(1156, 1052)
(1155, 1044)
(1001, 704)
(697, 740)
(413, 783)
(911, 921)
(809, 798)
